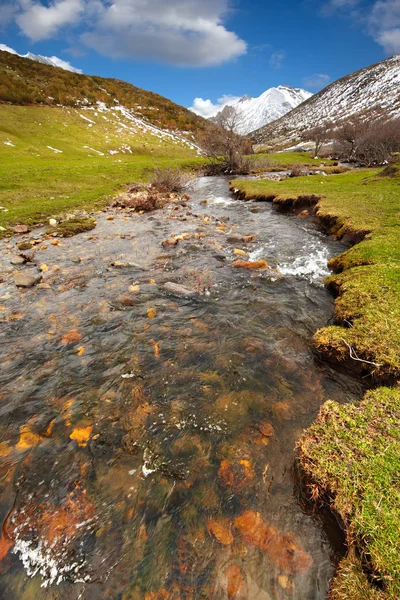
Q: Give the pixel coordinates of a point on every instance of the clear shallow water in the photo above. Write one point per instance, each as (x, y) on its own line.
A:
(147, 440)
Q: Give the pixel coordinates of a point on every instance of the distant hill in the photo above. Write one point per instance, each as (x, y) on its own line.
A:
(27, 82)
(253, 113)
(373, 92)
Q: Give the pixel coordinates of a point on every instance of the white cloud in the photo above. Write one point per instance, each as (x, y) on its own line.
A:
(7, 13)
(332, 6)
(47, 60)
(277, 58)
(206, 108)
(384, 24)
(40, 22)
(178, 32)
(317, 81)
(381, 20)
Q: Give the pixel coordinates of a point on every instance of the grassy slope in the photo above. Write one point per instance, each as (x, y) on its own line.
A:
(26, 82)
(36, 182)
(353, 452)
(369, 283)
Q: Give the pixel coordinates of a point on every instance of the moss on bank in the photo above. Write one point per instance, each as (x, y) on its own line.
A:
(363, 205)
(74, 226)
(352, 452)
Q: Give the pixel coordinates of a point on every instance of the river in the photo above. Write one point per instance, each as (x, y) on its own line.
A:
(147, 439)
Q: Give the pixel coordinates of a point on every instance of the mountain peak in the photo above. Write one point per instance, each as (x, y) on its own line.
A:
(253, 113)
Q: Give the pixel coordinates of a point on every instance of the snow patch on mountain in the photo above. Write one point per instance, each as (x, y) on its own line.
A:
(372, 92)
(253, 113)
(52, 61)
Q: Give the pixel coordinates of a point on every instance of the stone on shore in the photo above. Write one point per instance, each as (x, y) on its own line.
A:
(18, 260)
(178, 290)
(26, 280)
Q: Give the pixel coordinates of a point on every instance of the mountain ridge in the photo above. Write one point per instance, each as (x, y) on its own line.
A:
(251, 113)
(373, 91)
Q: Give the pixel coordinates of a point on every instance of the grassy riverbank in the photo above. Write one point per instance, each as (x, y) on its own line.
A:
(363, 204)
(54, 160)
(352, 453)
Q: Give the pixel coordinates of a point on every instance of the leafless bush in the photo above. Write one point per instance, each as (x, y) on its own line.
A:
(319, 135)
(224, 147)
(368, 143)
(298, 170)
(169, 180)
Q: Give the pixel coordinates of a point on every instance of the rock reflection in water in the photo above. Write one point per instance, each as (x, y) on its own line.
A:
(147, 434)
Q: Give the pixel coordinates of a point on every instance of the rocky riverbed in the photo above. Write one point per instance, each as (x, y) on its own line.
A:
(156, 373)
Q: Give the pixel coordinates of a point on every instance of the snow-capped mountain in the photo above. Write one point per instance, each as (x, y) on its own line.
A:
(373, 92)
(52, 61)
(253, 113)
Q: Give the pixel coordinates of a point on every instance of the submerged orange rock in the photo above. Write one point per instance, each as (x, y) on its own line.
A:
(257, 264)
(283, 549)
(81, 435)
(236, 474)
(71, 337)
(236, 587)
(220, 528)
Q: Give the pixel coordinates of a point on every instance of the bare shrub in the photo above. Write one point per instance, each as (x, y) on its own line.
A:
(169, 180)
(224, 147)
(298, 170)
(368, 143)
(319, 135)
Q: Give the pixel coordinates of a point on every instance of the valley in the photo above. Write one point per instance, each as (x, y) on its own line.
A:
(199, 375)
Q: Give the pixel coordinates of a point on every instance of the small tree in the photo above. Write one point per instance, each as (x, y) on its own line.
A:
(222, 145)
(319, 135)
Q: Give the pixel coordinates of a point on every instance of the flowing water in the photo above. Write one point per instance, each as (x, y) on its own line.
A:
(147, 439)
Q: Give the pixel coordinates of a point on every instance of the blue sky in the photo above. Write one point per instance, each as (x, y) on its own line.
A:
(208, 49)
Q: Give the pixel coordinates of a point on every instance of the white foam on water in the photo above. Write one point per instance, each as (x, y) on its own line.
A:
(221, 200)
(41, 559)
(312, 267)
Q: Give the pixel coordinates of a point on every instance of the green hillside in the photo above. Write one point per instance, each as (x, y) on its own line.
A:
(55, 158)
(26, 82)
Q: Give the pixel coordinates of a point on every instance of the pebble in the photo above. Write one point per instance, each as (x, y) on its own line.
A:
(26, 280)
(178, 290)
(18, 260)
(119, 264)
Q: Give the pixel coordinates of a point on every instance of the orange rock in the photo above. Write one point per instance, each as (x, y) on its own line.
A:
(71, 337)
(265, 428)
(81, 435)
(258, 264)
(283, 549)
(5, 545)
(235, 583)
(246, 239)
(151, 313)
(220, 528)
(239, 252)
(304, 213)
(237, 474)
(27, 439)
